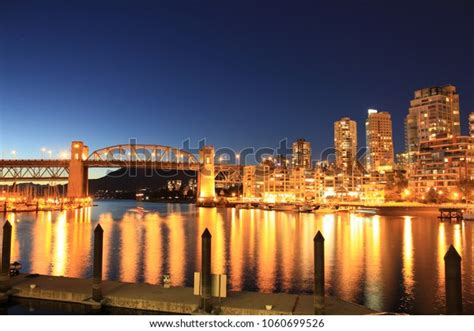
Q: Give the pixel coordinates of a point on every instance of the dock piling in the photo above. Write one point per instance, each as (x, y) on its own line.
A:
(5, 268)
(98, 251)
(206, 271)
(452, 270)
(318, 273)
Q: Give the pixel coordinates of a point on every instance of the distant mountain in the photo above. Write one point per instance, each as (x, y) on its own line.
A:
(132, 180)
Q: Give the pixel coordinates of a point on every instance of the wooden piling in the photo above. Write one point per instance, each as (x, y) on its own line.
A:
(453, 282)
(6, 250)
(97, 273)
(318, 242)
(206, 271)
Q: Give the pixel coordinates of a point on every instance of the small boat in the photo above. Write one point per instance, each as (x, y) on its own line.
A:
(263, 206)
(366, 211)
(343, 209)
(243, 206)
(139, 210)
(468, 214)
(305, 209)
(284, 207)
(324, 210)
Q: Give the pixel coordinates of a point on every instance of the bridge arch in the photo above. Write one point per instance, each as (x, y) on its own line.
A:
(143, 152)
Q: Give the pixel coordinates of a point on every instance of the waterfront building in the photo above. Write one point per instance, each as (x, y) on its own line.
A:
(345, 143)
(281, 161)
(254, 180)
(333, 183)
(303, 184)
(433, 113)
(174, 185)
(289, 185)
(442, 164)
(471, 124)
(402, 160)
(301, 154)
(378, 128)
(373, 193)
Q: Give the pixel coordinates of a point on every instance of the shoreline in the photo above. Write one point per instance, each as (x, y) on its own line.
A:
(36, 210)
(389, 208)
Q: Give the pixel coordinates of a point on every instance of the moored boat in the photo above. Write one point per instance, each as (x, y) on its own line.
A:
(243, 206)
(139, 211)
(468, 214)
(263, 206)
(366, 211)
(283, 207)
(306, 209)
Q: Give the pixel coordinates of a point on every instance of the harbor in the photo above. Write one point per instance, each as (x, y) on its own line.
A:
(25, 205)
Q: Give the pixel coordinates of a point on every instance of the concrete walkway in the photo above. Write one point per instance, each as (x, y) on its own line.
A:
(177, 300)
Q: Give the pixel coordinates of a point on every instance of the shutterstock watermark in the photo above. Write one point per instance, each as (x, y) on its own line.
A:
(150, 160)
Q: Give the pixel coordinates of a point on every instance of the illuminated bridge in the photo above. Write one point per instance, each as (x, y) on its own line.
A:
(152, 157)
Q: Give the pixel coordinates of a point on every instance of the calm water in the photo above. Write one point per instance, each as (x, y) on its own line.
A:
(386, 263)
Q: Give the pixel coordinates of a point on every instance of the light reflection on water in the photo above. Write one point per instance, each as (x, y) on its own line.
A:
(387, 263)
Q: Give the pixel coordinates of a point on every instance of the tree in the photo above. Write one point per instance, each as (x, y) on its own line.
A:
(432, 196)
(466, 187)
(396, 184)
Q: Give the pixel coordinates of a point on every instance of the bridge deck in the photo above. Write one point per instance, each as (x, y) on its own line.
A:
(58, 170)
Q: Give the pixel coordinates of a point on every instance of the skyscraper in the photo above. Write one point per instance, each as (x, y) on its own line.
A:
(345, 143)
(433, 113)
(378, 129)
(301, 153)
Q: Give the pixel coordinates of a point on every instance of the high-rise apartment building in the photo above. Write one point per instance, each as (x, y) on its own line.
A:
(441, 164)
(433, 113)
(378, 129)
(471, 124)
(345, 143)
(301, 154)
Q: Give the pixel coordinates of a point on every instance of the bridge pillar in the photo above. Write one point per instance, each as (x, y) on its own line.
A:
(206, 180)
(78, 177)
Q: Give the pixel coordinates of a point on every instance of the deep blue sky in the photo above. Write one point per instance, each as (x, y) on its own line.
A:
(236, 72)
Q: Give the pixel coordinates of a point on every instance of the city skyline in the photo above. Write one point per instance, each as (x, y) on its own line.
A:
(464, 129)
(259, 79)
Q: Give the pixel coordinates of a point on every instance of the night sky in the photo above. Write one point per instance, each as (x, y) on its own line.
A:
(239, 73)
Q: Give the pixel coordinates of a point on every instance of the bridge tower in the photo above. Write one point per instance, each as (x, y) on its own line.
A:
(206, 179)
(78, 175)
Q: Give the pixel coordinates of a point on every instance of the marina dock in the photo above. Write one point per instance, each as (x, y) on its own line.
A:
(451, 214)
(173, 300)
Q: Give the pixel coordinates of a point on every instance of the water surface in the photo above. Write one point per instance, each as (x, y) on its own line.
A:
(386, 263)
